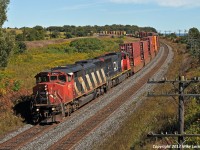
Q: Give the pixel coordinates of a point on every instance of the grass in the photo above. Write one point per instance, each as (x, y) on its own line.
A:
(154, 114)
(18, 31)
(10, 124)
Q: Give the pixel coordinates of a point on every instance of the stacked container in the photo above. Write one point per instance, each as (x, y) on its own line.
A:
(135, 55)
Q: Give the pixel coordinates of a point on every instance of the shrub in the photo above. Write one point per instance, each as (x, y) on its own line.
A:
(16, 85)
(20, 47)
(68, 35)
(69, 49)
(86, 45)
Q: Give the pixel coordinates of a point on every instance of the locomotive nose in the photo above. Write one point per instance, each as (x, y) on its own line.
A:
(41, 94)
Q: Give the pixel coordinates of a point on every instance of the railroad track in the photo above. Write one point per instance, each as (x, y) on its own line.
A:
(72, 138)
(23, 138)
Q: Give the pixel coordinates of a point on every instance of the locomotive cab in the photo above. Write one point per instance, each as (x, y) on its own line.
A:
(52, 91)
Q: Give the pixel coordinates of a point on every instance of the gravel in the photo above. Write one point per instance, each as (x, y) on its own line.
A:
(110, 125)
(15, 133)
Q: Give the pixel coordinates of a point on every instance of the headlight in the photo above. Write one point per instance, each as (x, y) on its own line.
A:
(53, 109)
(37, 109)
(45, 87)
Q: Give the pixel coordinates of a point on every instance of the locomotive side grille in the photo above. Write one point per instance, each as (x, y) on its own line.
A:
(89, 82)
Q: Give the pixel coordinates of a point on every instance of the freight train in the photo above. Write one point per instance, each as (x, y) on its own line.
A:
(61, 90)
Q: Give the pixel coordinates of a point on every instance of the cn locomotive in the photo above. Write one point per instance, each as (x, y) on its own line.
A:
(61, 90)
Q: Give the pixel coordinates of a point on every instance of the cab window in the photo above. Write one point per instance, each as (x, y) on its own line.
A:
(42, 79)
(52, 78)
(62, 78)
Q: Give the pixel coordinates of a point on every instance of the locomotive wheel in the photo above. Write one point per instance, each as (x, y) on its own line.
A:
(62, 109)
(35, 118)
(74, 107)
(68, 109)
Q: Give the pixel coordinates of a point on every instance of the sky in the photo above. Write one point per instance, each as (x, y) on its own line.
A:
(164, 15)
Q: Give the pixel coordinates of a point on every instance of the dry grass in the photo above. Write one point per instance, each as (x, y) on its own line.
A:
(18, 31)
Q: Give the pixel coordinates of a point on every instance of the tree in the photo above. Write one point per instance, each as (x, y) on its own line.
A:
(194, 42)
(6, 39)
(87, 45)
(55, 34)
(6, 46)
(68, 35)
(194, 33)
(40, 32)
(3, 11)
(20, 47)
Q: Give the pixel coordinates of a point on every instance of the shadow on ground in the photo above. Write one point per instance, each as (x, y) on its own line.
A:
(22, 108)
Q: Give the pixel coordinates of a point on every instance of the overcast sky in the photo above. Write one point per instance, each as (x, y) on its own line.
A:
(160, 14)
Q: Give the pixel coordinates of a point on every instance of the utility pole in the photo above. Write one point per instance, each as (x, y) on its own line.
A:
(181, 110)
(183, 83)
(185, 32)
(179, 31)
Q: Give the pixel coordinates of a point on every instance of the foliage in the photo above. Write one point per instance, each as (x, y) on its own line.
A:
(3, 11)
(16, 85)
(20, 47)
(55, 34)
(68, 35)
(88, 44)
(19, 37)
(193, 33)
(192, 120)
(6, 46)
(193, 43)
(6, 39)
(31, 34)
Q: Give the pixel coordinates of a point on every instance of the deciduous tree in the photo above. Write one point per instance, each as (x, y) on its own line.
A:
(6, 39)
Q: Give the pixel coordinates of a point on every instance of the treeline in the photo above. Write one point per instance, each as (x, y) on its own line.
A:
(70, 31)
(191, 39)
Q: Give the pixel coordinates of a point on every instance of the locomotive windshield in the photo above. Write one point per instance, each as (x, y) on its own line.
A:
(62, 78)
(43, 78)
(52, 78)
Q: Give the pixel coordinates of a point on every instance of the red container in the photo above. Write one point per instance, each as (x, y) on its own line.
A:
(151, 46)
(144, 51)
(135, 55)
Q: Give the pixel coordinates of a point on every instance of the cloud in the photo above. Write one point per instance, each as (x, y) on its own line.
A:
(166, 3)
(76, 7)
